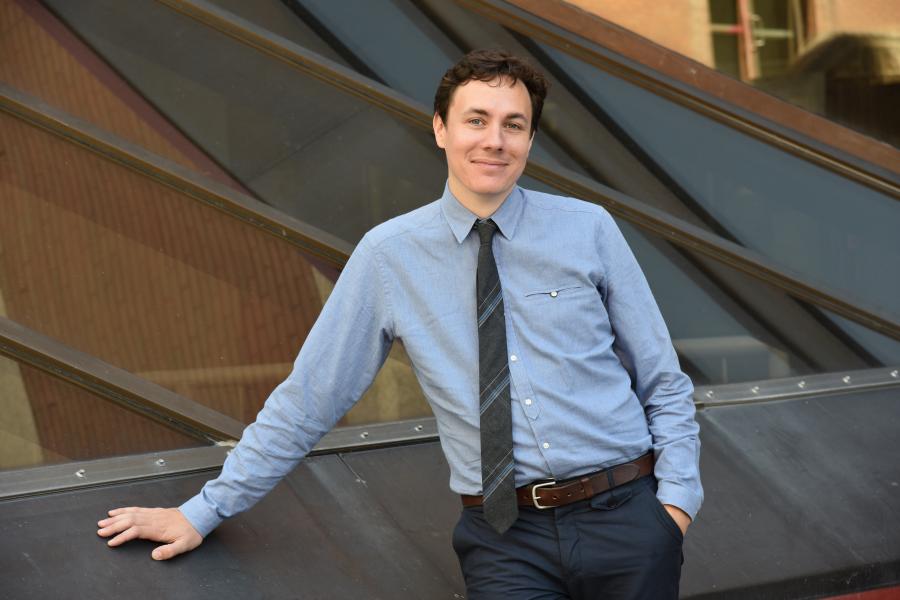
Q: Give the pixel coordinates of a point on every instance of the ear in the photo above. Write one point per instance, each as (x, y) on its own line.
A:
(531, 141)
(440, 130)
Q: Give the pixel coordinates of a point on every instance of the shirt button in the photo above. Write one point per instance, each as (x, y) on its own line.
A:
(513, 357)
(553, 294)
(527, 401)
(546, 445)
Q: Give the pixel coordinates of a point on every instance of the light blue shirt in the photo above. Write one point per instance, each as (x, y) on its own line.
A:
(595, 380)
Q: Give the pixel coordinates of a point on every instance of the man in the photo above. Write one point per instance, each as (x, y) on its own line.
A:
(564, 416)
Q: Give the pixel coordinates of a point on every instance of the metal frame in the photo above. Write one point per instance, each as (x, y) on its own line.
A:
(690, 84)
(171, 409)
(377, 435)
(106, 471)
(84, 474)
(769, 390)
(117, 385)
(313, 240)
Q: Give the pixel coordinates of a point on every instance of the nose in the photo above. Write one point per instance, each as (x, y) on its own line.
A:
(493, 137)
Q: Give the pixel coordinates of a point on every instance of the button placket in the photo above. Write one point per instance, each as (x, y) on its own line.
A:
(517, 371)
(524, 393)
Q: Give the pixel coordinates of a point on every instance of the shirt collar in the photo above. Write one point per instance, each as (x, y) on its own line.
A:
(461, 219)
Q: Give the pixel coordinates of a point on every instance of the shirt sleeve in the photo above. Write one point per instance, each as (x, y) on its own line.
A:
(645, 350)
(340, 358)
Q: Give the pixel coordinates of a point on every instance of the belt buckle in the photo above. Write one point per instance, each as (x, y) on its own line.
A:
(534, 489)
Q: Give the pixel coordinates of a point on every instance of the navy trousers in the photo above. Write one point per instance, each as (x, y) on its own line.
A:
(621, 544)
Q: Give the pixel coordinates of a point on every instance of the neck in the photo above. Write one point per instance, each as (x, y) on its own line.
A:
(482, 205)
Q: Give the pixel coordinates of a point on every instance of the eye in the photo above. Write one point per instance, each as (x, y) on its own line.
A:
(514, 126)
(476, 121)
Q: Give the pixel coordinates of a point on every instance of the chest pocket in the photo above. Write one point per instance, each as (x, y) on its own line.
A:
(570, 317)
(553, 293)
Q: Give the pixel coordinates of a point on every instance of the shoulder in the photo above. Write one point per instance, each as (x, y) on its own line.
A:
(567, 207)
(403, 227)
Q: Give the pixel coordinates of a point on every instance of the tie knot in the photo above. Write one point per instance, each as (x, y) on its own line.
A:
(486, 229)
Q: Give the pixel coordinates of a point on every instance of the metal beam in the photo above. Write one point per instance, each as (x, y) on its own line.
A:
(84, 474)
(309, 239)
(115, 384)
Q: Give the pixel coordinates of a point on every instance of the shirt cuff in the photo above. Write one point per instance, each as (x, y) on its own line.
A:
(669, 492)
(201, 514)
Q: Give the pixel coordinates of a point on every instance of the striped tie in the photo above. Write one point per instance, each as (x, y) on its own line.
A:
(497, 464)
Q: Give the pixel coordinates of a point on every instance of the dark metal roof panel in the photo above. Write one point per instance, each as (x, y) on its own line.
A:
(802, 500)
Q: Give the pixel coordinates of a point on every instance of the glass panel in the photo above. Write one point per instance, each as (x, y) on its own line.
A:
(279, 18)
(303, 146)
(810, 221)
(884, 349)
(110, 263)
(728, 327)
(218, 310)
(409, 52)
(406, 51)
(45, 420)
(40, 56)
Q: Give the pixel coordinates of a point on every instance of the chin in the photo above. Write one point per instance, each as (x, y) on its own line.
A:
(492, 188)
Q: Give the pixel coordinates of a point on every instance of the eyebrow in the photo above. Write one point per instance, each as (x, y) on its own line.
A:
(481, 111)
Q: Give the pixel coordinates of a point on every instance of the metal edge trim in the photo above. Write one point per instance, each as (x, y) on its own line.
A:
(75, 475)
(40, 480)
(377, 435)
(769, 390)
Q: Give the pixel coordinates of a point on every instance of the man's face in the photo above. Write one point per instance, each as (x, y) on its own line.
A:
(487, 138)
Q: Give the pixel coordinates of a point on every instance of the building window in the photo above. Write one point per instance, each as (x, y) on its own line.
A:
(757, 38)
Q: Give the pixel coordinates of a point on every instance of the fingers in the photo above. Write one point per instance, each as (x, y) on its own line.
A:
(129, 510)
(166, 525)
(169, 550)
(130, 525)
(126, 536)
(111, 526)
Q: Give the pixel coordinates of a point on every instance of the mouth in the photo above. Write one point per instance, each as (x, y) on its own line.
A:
(490, 164)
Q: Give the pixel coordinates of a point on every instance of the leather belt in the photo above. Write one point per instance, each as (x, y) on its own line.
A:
(550, 494)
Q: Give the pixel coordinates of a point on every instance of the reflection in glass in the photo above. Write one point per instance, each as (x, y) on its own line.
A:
(45, 420)
(112, 264)
(838, 59)
(852, 78)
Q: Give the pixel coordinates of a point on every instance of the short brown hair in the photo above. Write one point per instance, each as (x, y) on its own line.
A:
(488, 65)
